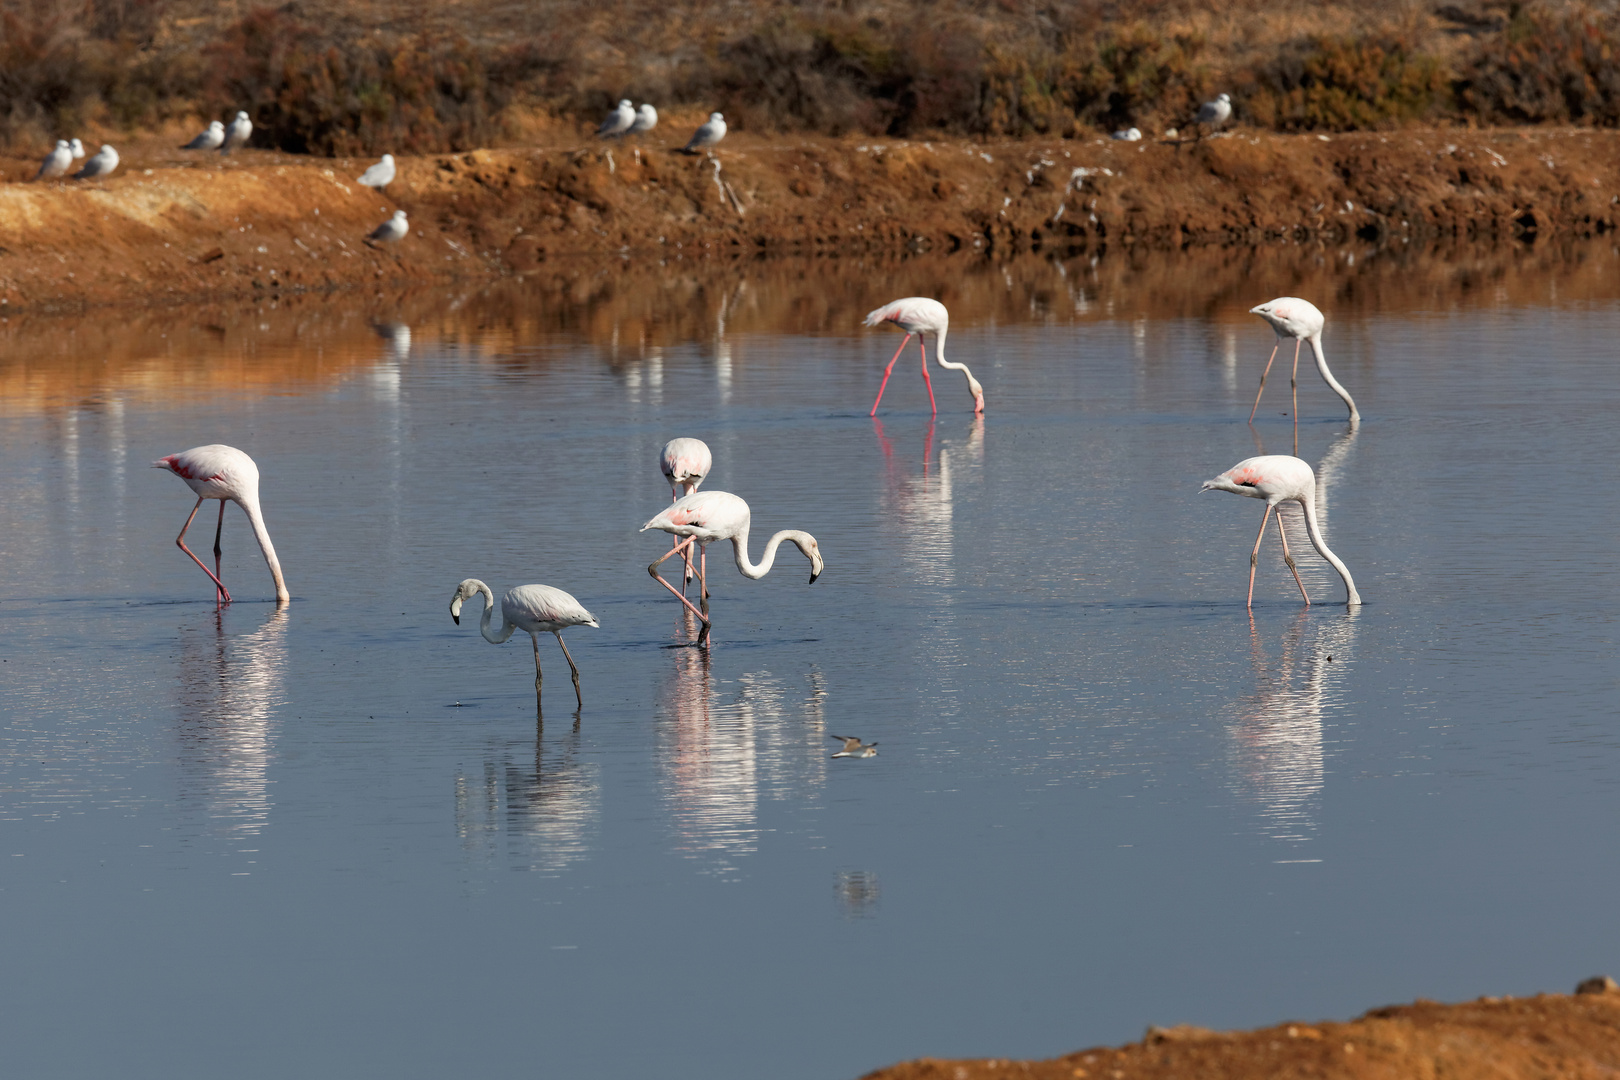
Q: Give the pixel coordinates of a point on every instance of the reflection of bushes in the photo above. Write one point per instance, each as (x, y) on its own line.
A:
(318, 84)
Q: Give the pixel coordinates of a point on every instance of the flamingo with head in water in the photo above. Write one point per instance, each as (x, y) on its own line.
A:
(1277, 478)
(227, 474)
(685, 464)
(706, 516)
(919, 315)
(1301, 320)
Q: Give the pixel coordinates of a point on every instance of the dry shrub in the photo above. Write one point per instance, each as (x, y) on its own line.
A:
(1547, 65)
(1343, 84)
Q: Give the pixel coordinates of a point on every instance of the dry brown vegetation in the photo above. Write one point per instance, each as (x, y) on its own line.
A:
(353, 76)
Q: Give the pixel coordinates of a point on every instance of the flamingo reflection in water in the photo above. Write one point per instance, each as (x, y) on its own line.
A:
(548, 809)
(1276, 734)
(230, 689)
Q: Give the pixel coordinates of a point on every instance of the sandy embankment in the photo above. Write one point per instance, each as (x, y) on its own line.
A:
(1546, 1037)
(173, 226)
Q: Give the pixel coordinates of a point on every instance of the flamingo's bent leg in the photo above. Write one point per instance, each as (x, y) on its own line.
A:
(653, 570)
(926, 380)
(1263, 375)
(1289, 559)
(1254, 556)
(181, 541)
(571, 667)
(887, 371)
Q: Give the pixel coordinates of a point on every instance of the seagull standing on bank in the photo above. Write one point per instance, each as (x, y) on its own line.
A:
(1129, 135)
(56, 162)
(102, 164)
(1213, 115)
(77, 148)
(618, 121)
(208, 140)
(646, 120)
(379, 175)
(237, 134)
(393, 230)
(712, 131)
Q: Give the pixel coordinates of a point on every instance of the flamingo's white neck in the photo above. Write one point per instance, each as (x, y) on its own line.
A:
(1327, 377)
(1307, 502)
(473, 587)
(255, 516)
(973, 384)
(802, 540)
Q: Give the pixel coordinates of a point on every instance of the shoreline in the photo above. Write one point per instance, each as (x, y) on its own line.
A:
(173, 227)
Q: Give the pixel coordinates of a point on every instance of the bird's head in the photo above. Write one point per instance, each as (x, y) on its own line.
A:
(466, 591)
(812, 551)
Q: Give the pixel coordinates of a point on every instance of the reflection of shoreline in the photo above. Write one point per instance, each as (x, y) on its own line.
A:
(230, 688)
(1276, 736)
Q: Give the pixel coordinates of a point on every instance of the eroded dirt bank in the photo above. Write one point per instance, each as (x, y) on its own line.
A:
(175, 226)
(1567, 1037)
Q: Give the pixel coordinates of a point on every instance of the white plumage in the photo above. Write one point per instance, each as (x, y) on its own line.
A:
(619, 120)
(101, 164)
(646, 120)
(534, 609)
(56, 162)
(1214, 114)
(225, 473)
(711, 132)
(379, 175)
(237, 134)
(211, 139)
(393, 230)
(78, 149)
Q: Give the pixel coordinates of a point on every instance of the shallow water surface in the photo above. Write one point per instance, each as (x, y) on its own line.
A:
(337, 839)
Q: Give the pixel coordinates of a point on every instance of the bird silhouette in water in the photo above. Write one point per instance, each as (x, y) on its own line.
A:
(853, 747)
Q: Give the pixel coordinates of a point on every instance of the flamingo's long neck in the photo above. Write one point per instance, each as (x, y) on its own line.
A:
(767, 558)
(484, 624)
(973, 384)
(256, 519)
(1308, 504)
(1327, 377)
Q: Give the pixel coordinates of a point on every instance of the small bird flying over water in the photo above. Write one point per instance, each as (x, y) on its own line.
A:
(211, 139)
(711, 132)
(853, 747)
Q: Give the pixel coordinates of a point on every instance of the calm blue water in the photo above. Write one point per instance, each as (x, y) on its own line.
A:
(336, 841)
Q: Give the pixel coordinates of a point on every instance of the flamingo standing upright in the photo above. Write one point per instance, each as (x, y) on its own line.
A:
(531, 608)
(706, 516)
(1277, 478)
(685, 463)
(920, 315)
(1301, 320)
(227, 474)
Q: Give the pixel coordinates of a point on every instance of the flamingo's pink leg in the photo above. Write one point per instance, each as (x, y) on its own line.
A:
(1263, 375)
(653, 570)
(1254, 556)
(926, 380)
(886, 372)
(181, 541)
(1293, 384)
(1289, 559)
(218, 532)
(577, 698)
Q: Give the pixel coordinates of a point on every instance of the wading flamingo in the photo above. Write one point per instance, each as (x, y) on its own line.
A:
(919, 315)
(706, 516)
(530, 608)
(1277, 478)
(227, 474)
(685, 462)
(1299, 319)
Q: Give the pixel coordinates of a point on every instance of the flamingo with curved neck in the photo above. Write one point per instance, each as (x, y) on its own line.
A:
(706, 516)
(227, 474)
(1291, 317)
(1276, 478)
(920, 315)
(535, 609)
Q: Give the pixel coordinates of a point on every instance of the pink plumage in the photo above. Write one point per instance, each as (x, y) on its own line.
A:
(921, 316)
(227, 474)
(1301, 320)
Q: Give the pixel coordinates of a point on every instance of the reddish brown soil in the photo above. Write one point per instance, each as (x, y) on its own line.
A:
(175, 226)
(1575, 1037)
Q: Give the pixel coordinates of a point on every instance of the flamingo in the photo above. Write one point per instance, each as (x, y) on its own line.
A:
(1301, 320)
(685, 463)
(706, 516)
(533, 609)
(1277, 478)
(919, 315)
(227, 474)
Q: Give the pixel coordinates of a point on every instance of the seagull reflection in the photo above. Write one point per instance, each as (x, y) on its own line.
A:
(549, 807)
(398, 336)
(1276, 736)
(723, 752)
(230, 688)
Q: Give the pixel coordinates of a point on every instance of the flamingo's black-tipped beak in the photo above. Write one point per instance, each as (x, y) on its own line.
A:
(457, 619)
(813, 577)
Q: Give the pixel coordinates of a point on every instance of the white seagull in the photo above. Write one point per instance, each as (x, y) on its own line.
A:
(712, 131)
(1213, 115)
(379, 175)
(237, 134)
(1129, 135)
(208, 140)
(392, 230)
(618, 121)
(78, 148)
(101, 164)
(56, 162)
(646, 120)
